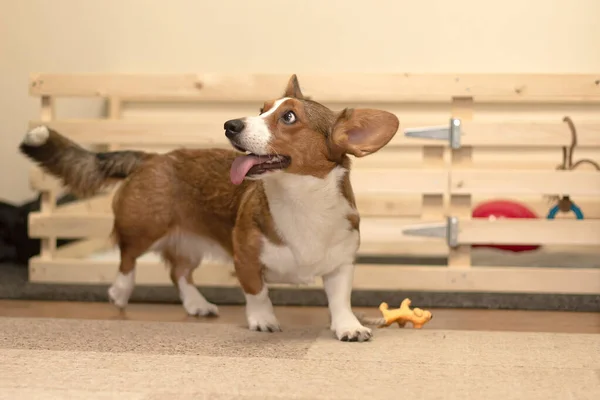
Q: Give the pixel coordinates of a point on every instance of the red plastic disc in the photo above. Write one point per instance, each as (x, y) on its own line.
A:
(505, 209)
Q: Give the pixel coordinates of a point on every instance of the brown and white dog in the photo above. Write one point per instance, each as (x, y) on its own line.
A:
(284, 211)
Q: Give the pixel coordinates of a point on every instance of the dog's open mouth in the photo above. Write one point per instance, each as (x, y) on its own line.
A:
(252, 165)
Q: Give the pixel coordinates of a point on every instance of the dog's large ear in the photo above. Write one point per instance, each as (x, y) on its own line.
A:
(362, 131)
(293, 88)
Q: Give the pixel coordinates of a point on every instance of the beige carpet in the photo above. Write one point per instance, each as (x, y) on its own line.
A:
(90, 359)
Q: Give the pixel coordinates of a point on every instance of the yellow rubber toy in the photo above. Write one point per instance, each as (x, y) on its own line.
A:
(401, 316)
(404, 314)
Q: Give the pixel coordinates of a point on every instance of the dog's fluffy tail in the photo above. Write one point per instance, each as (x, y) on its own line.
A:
(83, 172)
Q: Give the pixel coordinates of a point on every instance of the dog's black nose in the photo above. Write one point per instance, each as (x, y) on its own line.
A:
(233, 127)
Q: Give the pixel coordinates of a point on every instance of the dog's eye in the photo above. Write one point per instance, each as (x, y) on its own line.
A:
(289, 118)
(262, 110)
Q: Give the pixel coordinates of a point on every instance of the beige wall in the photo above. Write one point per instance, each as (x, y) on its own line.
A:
(277, 36)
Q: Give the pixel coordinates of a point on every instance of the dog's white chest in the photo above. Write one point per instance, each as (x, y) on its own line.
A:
(311, 216)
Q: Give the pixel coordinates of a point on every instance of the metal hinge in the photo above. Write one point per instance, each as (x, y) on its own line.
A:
(450, 133)
(449, 231)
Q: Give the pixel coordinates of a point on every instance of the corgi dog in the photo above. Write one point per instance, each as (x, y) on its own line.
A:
(279, 205)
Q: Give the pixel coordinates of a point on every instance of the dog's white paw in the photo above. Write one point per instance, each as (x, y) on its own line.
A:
(193, 301)
(120, 291)
(119, 296)
(37, 136)
(260, 313)
(352, 331)
(263, 321)
(196, 304)
(200, 307)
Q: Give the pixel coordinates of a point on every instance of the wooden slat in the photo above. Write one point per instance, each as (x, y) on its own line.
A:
(399, 181)
(523, 182)
(209, 132)
(365, 181)
(528, 134)
(380, 234)
(97, 204)
(70, 226)
(460, 204)
(477, 279)
(391, 205)
(530, 231)
(48, 197)
(131, 133)
(343, 87)
(389, 230)
(369, 205)
(115, 112)
(367, 277)
(433, 205)
(83, 248)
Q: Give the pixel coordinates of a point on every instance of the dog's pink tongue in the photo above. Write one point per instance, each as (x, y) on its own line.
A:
(240, 167)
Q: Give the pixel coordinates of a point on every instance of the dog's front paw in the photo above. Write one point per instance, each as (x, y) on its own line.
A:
(352, 332)
(263, 321)
(259, 312)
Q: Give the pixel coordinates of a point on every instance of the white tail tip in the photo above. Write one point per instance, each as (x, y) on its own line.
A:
(37, 136)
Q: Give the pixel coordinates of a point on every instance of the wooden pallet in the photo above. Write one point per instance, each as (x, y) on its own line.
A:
(511, 138)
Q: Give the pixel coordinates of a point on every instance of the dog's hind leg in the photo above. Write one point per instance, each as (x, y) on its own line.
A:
(182, 269)
(122, 288)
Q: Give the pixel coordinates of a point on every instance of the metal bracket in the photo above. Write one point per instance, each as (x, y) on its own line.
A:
(449, 231)
(450, 133)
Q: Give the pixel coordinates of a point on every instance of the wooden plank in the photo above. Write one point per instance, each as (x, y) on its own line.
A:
(114, 113)
(70, 226)
(388, 206)
(366, 182)
(384, 234)
(460, 203)
(339, 87)
(97, 204)
(369, 204)
(477, 279)
(529, 231)
(389, 231)
(433, 205)
(367, 277)
(48, 197)
(379, 236)
(523, 182)
(208, 132)
(205, 132)
(131, 133)
(528, 134)
(429, 248)
(399, 181)
(83, 248)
